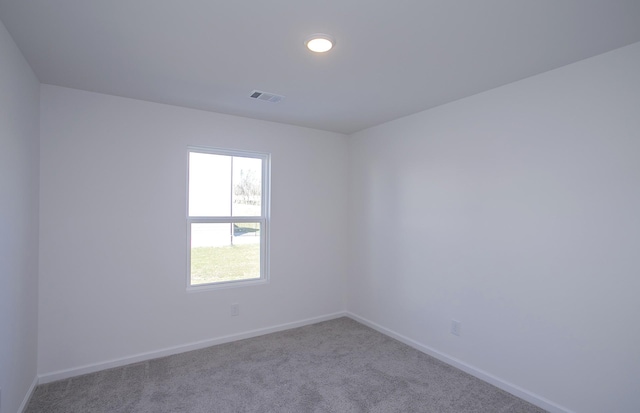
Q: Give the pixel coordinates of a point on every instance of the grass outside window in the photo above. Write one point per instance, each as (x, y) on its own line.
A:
(227, 263)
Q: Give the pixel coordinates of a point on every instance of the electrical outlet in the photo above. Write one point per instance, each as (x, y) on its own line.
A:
(455, 327)
(235, 310)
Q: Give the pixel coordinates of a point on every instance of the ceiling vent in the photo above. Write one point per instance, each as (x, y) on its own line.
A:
(269, 97)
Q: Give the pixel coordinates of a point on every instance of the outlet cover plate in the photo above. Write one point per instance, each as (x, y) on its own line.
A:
(455, 327)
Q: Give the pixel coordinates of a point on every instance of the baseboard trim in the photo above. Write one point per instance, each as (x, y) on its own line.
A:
(467, 368)
(91, 368)
(476, 372)
(27, 397)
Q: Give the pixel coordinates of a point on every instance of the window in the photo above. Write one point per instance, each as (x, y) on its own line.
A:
(228, 217)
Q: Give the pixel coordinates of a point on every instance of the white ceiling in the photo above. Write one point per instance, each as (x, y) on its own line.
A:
(392, 58)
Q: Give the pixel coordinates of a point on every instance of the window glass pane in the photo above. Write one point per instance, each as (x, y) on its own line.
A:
(224, 252)
(209, 184)
(247, 187)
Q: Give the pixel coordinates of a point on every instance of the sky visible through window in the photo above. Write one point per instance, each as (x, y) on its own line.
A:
(221, 185)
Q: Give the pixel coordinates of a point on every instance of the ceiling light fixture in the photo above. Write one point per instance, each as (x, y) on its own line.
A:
(320, 42)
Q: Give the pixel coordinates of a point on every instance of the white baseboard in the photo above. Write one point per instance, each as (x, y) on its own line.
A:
(481, 374)
(27, 396)
(91, 368)
(476, 372)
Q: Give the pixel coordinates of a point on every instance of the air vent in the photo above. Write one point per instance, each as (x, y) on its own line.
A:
(269, 97)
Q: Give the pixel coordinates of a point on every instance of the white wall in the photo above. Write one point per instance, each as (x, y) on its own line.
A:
(113, 231)
(19, 112)
(517, 212)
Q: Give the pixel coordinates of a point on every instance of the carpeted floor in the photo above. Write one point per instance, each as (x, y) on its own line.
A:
(335, 366)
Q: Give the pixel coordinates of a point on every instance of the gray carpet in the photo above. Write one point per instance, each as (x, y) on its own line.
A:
(335, 366)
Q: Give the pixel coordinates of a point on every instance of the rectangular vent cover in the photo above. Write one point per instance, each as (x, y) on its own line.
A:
(269, 97)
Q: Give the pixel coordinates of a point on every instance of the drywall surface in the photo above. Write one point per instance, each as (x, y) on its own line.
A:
(113, 240)
(515, 212)
(19, 134)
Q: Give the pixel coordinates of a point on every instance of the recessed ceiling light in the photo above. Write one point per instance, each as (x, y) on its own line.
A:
(320, 42)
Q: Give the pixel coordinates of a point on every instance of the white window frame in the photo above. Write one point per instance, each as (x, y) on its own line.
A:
(263, 219)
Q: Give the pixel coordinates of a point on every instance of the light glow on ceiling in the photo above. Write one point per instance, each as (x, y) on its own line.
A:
(320, 42)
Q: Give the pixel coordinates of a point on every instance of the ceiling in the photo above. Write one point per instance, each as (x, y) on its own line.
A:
(392, 58)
